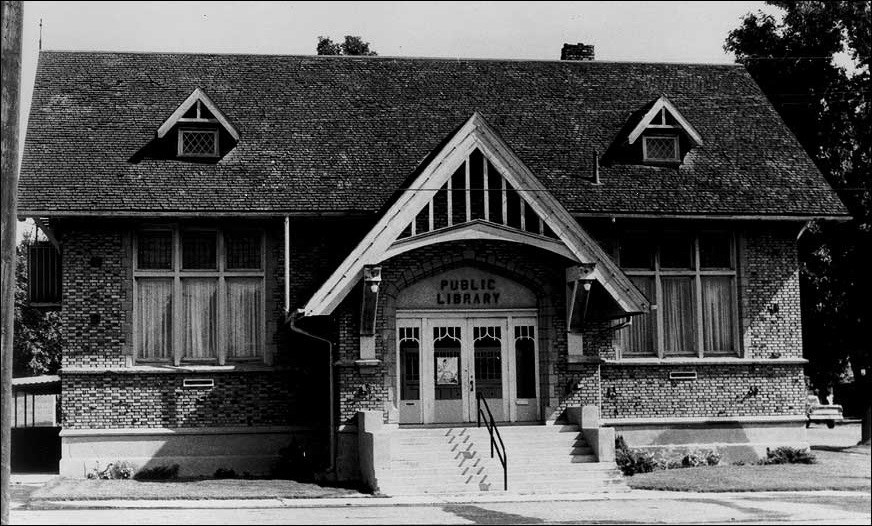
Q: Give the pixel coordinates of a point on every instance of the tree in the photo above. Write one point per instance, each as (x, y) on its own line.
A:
(828, 109)
(353, 45)
(37, 336)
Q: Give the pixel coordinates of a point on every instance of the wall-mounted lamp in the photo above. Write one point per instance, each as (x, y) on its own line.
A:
(369, 302)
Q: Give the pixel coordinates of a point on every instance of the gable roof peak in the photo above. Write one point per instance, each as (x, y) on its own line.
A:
(659, 105)
(198, 95)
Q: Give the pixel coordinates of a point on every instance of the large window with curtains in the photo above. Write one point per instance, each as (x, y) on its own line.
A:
(198, 295)
(690, 279)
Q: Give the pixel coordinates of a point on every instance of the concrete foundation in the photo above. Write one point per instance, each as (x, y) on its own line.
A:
(742, 439)
(197, 451)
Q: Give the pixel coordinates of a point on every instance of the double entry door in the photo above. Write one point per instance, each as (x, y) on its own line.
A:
(445, 360)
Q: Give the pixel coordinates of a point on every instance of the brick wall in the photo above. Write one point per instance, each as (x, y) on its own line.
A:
(770, 312)
(105, 401)
(97, 326)
(97, 305)
(719, 391)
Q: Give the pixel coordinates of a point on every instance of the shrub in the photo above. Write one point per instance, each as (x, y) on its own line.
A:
(664, 463)
(788, 455)
(700, 458)
(712, 458)
(632, 461)
(158, 473)
(692, 460)
(112, 471)
(224, 473)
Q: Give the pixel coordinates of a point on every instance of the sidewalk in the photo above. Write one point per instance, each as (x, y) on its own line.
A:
(423, 500)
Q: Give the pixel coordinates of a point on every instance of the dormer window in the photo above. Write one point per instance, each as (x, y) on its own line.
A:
(665, 135)
(660, 149)
(200, 128)
(198, 143)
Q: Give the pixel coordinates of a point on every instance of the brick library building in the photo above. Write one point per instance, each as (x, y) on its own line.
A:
(393, 265)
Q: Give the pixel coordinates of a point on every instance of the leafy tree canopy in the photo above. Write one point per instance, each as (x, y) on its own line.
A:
(353, 45)
(827, 106)
(37, 335)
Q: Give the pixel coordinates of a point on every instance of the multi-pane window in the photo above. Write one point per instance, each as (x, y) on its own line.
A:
(198, 143)
(690, 280)
(199, 295)
(661, 148)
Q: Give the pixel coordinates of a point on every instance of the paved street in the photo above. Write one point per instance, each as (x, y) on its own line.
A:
(639, 507)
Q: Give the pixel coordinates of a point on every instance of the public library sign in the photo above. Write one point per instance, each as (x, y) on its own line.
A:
(466, 288)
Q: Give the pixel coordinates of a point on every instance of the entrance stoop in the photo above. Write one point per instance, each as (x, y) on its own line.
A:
(456, 460)
(443, 460)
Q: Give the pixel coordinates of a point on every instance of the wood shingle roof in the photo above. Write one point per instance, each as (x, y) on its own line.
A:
(342, 134)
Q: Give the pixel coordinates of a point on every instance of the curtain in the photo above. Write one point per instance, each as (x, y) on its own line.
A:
(678, 316)
(717, 314)
(244, 317)
(639, 337)
(199, 306)
(154, 323)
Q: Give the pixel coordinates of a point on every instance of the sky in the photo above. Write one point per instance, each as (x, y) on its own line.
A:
(620, 31)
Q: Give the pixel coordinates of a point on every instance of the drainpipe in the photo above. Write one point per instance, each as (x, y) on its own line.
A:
(292, 323)
(287, 265)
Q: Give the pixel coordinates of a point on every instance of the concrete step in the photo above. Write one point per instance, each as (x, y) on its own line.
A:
(436, 454)
(424, 472)
(504, 429)
(485, 442)
(435, 482)
(542, 459)
(567, 468)
(443, 462)
(429, 490)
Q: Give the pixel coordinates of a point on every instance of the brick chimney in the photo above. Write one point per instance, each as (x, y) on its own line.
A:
(576, 52)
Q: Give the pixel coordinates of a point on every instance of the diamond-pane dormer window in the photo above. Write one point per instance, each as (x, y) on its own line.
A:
(198, 143)
(660, 148)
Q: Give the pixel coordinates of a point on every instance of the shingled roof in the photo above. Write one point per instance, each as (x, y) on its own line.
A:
(342, 134)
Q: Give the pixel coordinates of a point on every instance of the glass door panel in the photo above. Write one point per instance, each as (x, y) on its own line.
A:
(526, 399)
(488, 351)
(448, 373)
(409, 344)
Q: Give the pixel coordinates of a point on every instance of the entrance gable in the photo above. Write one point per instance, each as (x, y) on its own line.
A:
(442, 199)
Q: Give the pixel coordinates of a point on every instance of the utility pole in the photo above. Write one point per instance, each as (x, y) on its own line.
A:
(10, 87)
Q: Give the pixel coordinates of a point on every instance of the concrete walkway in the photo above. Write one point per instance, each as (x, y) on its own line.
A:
(636, 507)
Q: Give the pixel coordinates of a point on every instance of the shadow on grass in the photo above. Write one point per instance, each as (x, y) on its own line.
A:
(851, 450)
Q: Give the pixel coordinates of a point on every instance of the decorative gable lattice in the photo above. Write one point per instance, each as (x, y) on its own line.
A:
(197, 108)
(477, 191)
(475, 187)
(664, 116)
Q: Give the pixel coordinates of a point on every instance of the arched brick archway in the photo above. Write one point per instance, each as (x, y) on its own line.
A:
(539, 271)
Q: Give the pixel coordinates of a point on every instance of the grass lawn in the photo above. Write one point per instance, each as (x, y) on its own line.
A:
(69, 489)
(844, 469)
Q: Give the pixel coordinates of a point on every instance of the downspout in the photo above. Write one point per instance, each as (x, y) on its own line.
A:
(287, 265)
(292, 323)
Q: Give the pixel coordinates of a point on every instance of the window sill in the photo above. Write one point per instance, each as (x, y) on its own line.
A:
(584, 359)
(707, 361)
(171, 369)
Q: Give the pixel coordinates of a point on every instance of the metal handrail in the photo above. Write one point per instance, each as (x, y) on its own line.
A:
(492, 429)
